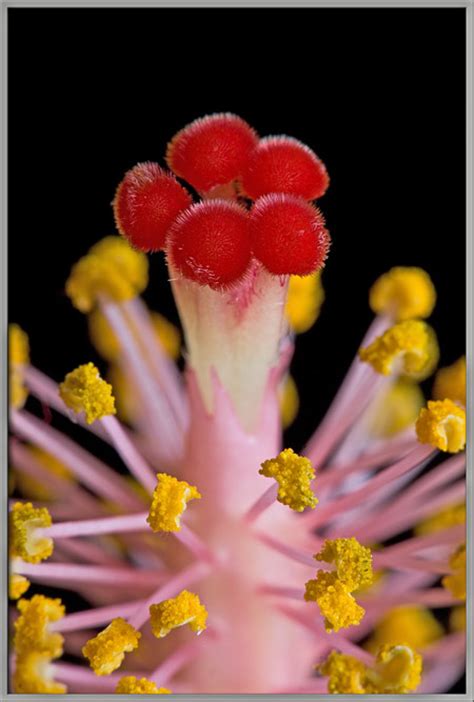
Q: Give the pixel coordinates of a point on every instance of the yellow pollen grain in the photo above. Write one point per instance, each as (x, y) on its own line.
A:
(304, 301)
(450, 382)
(112, 269)
(294, 475)
(456, 581)
(408, 348)
(352, 560)
(106, 651)
(83, 390)
(397, 670)
(185, 608)
(443, 425)
(24, 540)
(32, 626)
(457, 618)
(289, 401)
(19, 357)
(130, 685)
(404, 293)
(17, 586)
(336, 604)
(169, 501)
(33, 675)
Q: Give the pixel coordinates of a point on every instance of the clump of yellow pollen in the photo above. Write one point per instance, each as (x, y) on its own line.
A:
(170, 499)
(456, 581)
(304, 301)
(19, 357)
(185, 608)
(24, 540)
(443, 425)
(32, 631)
(130, 685)
(106, 651)
(409, 348)
(33, 675)
(294, 475)
(450, 382)
(83, 390)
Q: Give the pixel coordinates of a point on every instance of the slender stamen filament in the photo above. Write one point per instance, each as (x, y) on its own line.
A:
(71, 575)
(131, 457)
(265, 500)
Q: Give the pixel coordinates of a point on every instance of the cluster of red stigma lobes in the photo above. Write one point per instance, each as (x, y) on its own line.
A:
(257, 202)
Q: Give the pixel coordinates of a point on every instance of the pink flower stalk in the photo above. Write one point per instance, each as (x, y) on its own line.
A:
(280, 562)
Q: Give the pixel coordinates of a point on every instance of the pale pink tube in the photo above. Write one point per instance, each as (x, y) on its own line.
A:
(134, 461)
(72, 575)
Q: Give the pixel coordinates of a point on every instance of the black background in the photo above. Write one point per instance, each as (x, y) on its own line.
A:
(377, 93)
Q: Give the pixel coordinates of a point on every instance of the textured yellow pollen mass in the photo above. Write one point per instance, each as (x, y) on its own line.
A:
(335, 602)
(456, 582)
(19, 356)
(17, 586)
(450, 382)
(409, 348)
(34, 675)
(111, 269)
(83, 390)
(185, 608)
(32, 626)
(397, 670)
(304, 301)
(443, 425)
(352, 560)
(404, 293)
(130, 685)
(106, 651)
(294, 475)
(170, 499)
(24, 540)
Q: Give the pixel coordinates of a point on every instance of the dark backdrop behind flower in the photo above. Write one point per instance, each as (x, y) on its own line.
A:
(377, 93)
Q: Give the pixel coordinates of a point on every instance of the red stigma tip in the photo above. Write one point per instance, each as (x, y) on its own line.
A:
(211, 151)
(288, 235)
(284, 165)
(146, 204)
(210, 243)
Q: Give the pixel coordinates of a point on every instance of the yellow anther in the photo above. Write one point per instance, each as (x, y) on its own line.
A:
(289, 401)
(457, 618)
(19, 357)
(304, 301)
(36, 489)
(185, 608)
(34, 675)
(450, 382)
(130, 685)
(352, 560)
(106, 651)
(25, 541)
(443, 425)
(167, 334)
(397, 670)
(32, 630)
(126, 401)
(336, 604)
(346, 674)
(111, 269)
(19, 346)
(446, 518)
(17, 586)
(456, 581)
(83, 390)
(413, 624)
(396, 409)
(170, 499)
(403, 293)
(294, 475)
(409, 348)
